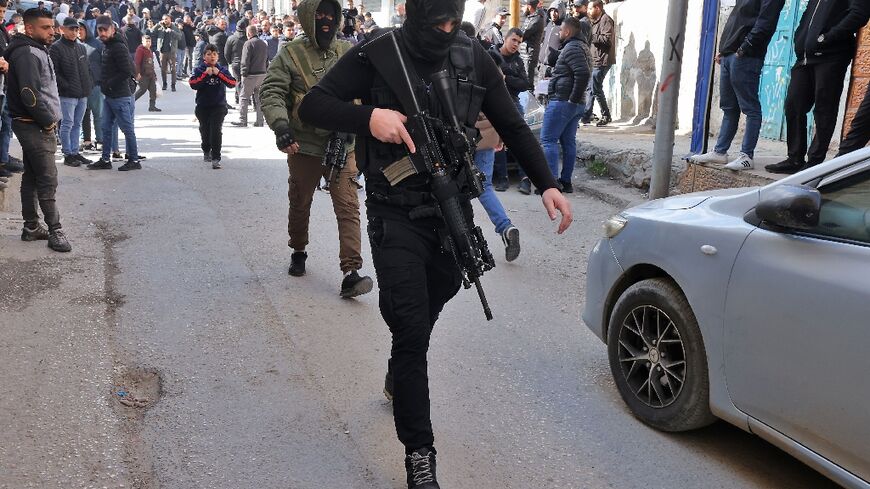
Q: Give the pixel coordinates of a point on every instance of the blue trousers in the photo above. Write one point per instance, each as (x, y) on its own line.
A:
(561, 120)
(72, 113)
(119, 111)
(738, 92)
(484, 160)
(5, 132)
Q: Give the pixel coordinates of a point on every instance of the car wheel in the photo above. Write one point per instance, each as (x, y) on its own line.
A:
(657, 357)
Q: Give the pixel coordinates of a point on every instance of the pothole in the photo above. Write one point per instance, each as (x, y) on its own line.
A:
(136, 388)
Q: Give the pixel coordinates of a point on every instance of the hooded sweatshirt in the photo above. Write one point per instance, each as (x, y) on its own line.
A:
(31, 82)
(284, 87)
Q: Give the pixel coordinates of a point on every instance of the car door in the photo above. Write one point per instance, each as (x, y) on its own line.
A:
(797, 327)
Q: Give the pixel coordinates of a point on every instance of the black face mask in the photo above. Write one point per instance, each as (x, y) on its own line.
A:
(420, 35)
(324, 39)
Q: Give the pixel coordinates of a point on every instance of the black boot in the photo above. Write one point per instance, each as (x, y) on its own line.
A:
(420, 466)
(297, 263)
(354, 285)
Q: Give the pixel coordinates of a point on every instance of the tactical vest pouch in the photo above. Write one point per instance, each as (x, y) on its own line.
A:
(399, 170)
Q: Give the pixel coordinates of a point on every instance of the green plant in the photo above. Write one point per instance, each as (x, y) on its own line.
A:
(597, 168)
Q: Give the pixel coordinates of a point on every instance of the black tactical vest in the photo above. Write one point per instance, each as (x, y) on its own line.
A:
(469, 97)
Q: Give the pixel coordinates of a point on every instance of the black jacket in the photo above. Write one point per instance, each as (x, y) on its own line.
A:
(117, 69)
(70, 59)
(571, 73)
(838, 21)
(31, 82)
(219, 39)
(133, 36)
(750, 27)
(533, 29)
(515, 75)
(233, 48)
(255, 57)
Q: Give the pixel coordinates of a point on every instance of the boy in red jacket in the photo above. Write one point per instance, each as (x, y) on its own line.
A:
(143, 63)
(210, 80)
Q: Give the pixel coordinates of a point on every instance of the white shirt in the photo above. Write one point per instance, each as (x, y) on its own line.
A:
(475, 13)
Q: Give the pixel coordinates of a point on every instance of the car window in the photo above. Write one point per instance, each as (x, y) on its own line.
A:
(845, 210)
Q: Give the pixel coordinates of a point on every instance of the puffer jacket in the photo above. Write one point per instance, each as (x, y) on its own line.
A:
(572, 71)
(219, 38)
(117, 69)
(283, 89)
(70, 60)
(31, 82)
(839, 21)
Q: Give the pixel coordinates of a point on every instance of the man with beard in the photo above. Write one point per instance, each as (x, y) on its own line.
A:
(415, 276)
(551, 43)
(35, 108)
(295, 70)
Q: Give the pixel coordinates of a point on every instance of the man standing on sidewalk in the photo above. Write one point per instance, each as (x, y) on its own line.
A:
(35, 108)
(825, 43)
(255, 62)
(117, 86)
(742, 49)
(146, 74)
(74, 84)
(533, 33)
(296, 69)
(603, 57)
(168, 39)
(233, 54)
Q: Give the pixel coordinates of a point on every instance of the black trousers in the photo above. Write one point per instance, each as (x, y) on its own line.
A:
(859, 133)
(211, 121)
(415, 280)
(815, 87)
(532, 67)
(39, 180)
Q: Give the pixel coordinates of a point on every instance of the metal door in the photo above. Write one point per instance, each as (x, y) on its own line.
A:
(777, 70)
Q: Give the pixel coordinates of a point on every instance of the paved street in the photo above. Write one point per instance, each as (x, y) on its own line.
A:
(177, 295)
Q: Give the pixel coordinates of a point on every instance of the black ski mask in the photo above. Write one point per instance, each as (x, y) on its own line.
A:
(325, 37)
(420, 35)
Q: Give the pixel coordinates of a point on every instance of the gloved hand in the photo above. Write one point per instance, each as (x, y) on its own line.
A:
(283, 136)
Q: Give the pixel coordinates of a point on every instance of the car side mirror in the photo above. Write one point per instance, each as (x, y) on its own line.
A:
(790, 206)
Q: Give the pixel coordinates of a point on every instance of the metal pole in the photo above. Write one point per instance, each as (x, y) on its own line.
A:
(515, 13)
(669, 92)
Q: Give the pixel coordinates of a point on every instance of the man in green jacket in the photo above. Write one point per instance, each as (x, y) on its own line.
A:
(295, 70)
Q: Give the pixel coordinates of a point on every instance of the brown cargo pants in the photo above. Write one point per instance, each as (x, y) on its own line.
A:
(305, 173)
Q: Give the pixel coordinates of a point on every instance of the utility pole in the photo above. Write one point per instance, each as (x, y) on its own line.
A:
(515, 13)
(669, 93)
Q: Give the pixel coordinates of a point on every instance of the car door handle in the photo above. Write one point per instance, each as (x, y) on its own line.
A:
(709, 250)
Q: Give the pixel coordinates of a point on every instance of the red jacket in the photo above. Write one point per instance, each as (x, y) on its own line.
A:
(143, 62)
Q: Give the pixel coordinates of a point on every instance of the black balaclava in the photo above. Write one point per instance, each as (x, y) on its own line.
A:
(423, 40)
(324, 39)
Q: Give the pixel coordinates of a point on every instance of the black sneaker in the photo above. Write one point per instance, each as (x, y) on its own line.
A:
(239, 124)
(206, 158)
(71, 160)
(605, 120)
(420, 466)
(164, 87)
(100, 164)
(38, 234)
(154, 109)
(173, 88)
(525, 186)
(82, 159)
(511, 239)
(14, 165)
(57, 241)
(258, 124)
(138, 158)
(130, 165)
(354, 285)
(786, 167)
(567, 187)
(89, 146)
(116, 155)
(297, 263)
(216, 164)
(388, 382)
(4, 172)
(501, 185)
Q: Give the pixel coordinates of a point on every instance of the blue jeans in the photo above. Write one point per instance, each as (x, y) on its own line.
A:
(95, 106)
(561, 119)
(484, 159)
(738, 92)
(72, 113)
(5, 132)
(119, 111)
(595, 91)
(179, 62)
(499, 170)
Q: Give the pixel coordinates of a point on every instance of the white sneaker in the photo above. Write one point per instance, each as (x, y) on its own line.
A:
(711, 157)
(743, 162)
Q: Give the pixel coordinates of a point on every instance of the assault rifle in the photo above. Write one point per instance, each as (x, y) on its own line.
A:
(335, 157)
(448, 155)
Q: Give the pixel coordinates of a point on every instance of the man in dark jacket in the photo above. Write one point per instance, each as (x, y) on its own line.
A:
(188, 28)
(117, 85)
(35, 108)
(169, 38)
(533, 33)
(217, 35)
(233, 54)
(74, 85)
(566, 94)
(603, 49)
(254, 63)
(517, 82)
(742, 49)
(825, 43)
(551, 42)
(94, 50)
(132, 34)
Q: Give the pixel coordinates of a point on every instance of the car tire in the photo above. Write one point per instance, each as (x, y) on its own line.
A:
(653, 341)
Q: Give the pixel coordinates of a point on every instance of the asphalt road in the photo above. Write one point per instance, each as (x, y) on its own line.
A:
(177, 297)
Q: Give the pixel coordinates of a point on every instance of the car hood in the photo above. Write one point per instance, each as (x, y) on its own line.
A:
(690, 201)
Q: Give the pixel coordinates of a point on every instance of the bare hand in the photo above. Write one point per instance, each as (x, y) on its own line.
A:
(718, 59)
(388, 126)
(138, 77)
(4, 65)
(292, 149)
(553, 201)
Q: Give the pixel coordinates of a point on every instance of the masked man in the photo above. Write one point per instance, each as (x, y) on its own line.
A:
(416, 277)
(291, 75)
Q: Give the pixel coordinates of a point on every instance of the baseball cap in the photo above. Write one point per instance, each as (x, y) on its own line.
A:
(105, 21)
(581, 3)
(533, 3)
(70, 22)
(503, 11)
